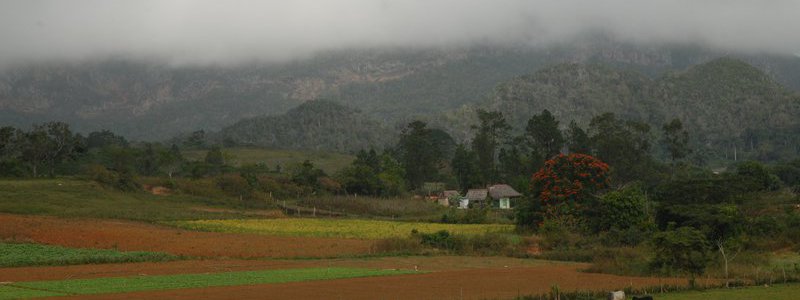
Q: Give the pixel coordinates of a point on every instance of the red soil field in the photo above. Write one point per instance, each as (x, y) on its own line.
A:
(487, 283)
(422, 263)
(133, 236)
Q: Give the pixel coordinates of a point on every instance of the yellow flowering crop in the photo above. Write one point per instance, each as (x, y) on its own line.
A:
(342, 228)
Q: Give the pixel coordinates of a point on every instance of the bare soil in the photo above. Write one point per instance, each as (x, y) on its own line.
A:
(483, 283)
(133, 236)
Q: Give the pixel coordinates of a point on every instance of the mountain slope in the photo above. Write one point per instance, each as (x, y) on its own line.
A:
(725, 104)
(152, 101)
(315, 125)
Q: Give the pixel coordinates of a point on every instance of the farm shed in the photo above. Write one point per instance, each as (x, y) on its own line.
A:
(445, 196)
(477, 197)
(503, 194)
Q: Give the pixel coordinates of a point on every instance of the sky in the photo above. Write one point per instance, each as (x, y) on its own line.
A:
(244, 31)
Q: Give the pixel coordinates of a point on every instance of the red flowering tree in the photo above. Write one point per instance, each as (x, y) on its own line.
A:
(566, 183)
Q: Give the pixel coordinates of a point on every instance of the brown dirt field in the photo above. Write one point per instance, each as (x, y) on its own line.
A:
(488, 283)
(422, 263)
(133, 236)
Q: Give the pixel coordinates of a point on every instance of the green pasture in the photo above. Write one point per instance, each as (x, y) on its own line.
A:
(182, 281)
(18, 255)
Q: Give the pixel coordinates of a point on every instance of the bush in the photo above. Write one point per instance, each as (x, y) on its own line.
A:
(469, 216)
(119, 180)
(680, 251)
(619, 210)
(398, 246)
(621, 261)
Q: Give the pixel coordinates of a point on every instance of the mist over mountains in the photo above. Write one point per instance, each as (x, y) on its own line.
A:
(146, 100)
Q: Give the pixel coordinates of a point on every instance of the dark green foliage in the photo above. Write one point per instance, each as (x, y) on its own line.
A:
(715, 221)
(681, 251)
(104, 138)
(756, 176)
(465, 167)
(543, 135)
(420, 153)
(788, 173)
(469, 216)
(676, 140)
(619, 210)
(490, 134)
(733, 110)
(306, 174)
(18, 255)
(624, 145)
(577, 139)
(314, 125)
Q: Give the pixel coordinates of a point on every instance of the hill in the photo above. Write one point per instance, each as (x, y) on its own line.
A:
(314, 125)
(150, 100)
(725, 104)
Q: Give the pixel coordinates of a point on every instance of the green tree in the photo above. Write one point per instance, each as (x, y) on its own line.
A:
(171, 160)
(543, 135)
(491, 132)
(676, 140)
(215, 159)
(684, 251)
(577, 140)
(148, 161)
(419, 154)
(307, 174)
(620, 209)
(100, 139)
(465, 167)
(392, 176)
(624, 145)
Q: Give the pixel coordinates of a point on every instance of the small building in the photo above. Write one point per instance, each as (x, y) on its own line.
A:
(503, 195)
(477, 197)
(445, 196)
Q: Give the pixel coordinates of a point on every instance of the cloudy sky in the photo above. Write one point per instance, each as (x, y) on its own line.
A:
(231, 31)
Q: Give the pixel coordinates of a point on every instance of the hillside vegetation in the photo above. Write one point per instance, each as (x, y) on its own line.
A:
(314, 125)
(149, 100)
(726, 104)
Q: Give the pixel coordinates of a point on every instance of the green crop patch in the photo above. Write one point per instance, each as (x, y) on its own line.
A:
(19, 255)
(339, 228)
(776, 292)
(11, 292)
(183, 281)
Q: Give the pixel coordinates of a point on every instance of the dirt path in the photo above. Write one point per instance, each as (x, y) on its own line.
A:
(133, 236)
(489, 283)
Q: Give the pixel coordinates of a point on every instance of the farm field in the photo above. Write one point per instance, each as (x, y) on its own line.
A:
(479, 283)
(776, 292)
(23, 254)
(182, 281)
(76, 198)
(340, 228)
(327, 161)
(135, 236)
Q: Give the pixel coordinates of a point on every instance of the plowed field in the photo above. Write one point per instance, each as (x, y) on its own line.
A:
(490, 283)
(133, 236)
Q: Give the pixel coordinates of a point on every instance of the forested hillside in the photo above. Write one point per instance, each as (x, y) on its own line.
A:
(727, 105)
(150, 100)
(317, 125)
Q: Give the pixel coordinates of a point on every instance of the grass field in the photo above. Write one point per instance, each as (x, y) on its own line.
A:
(83, 198)
(182, 281)
(775, 292)
(18, 255)
(341, 228)
(328, 162)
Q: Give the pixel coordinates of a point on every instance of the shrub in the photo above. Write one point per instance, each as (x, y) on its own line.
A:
(469, 216)
(119, 180)
(619, 210)
(683, 250)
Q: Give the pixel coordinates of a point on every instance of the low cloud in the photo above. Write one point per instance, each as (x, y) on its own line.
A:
(240, 31)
